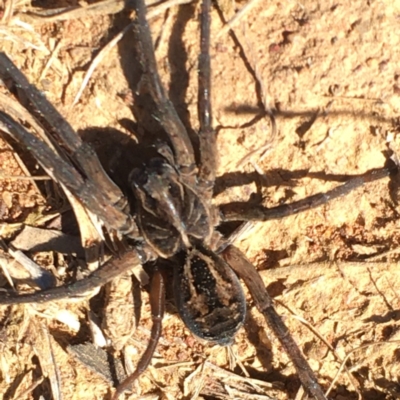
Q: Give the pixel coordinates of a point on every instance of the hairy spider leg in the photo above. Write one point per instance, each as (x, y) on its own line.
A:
(104, 192)
(166, 113)
(103, 275)
(157, 305)
(239, 211)
(207, 140)
(245, 269)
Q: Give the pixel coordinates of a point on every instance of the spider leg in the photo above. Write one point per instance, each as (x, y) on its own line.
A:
(243, 267)
(110, 196)
(63, 172)
(106, 273)
(239, 212)
(166, 114)
(157, 304)
(207, 141)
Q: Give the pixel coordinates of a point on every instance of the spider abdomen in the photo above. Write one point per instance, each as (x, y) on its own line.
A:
(208, 295)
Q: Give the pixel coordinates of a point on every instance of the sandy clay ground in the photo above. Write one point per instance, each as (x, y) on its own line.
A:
(330, 71)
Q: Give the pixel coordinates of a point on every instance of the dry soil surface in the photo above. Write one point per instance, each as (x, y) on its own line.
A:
(330, 72)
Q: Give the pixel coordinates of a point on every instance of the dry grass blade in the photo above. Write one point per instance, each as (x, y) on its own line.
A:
(223, 384)
(24, 268)
(106, 7)
(161, 8)
(43, 346)
(26, 178)
(8, 11)
(345, 360)
(230, 376)
(97, 60)
(237, 394)
(265, 99)
(237, 17)
(8, 35)
(25, 393)
(210, 380)
(6, 266)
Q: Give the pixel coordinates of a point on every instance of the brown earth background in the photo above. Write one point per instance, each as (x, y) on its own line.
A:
(330, 70)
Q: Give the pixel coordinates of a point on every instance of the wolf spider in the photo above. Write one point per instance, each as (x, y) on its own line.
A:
(173, 217)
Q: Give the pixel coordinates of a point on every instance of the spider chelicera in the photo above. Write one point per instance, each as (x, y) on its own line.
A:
(173, 215)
